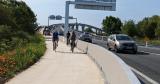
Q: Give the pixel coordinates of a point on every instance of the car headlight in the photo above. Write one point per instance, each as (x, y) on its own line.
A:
(119, 44)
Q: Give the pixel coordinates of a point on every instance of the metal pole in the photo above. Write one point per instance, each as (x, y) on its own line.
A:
(76, 25)
(48, 21)
(66, 18)
(76, 20)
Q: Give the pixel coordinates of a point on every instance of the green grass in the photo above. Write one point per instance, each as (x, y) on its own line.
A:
(155, 42)
(22, 57)
(150, 42)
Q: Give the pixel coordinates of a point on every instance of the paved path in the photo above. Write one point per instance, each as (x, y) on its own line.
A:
(61, 67)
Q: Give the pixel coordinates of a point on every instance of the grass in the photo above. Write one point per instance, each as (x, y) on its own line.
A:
(155, 42)
(150, 42)
(21, 57)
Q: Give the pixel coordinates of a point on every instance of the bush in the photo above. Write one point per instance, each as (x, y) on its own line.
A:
(10, 39)
(155, 42)
(22, 57)
(10, 44)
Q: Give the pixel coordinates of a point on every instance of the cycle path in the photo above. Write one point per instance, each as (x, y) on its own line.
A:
(61, 67)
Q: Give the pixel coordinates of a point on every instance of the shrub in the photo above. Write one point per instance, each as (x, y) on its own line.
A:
(22, 57)
(155, 42)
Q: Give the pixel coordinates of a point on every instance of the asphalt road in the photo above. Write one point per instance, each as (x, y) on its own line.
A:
(147, 61)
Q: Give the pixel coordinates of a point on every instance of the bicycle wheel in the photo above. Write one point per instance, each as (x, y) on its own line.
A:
(72, 47)
(54, 45)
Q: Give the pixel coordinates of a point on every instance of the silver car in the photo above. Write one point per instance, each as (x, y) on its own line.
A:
(121, 42)
(86, 37)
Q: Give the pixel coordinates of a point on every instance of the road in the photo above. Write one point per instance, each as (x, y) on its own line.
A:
(146, 61)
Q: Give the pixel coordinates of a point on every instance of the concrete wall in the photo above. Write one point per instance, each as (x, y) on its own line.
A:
(114, 69)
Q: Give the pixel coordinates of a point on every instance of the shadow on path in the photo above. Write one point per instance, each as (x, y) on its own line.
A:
(70, 52)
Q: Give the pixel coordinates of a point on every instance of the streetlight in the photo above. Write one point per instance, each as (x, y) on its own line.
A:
(52, 17)
(59, 17)
(71, 17)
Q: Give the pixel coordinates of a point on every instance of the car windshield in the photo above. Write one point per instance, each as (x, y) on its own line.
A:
(121, 37)
(86, 35)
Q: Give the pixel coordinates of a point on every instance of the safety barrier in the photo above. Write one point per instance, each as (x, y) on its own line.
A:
(114, 69)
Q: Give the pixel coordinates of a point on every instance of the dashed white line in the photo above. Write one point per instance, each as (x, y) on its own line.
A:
(144, 76)
(149, 47)
(150, 53)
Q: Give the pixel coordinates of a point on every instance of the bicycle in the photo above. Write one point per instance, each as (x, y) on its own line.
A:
(68, 41)
(55, 44)
(73, 45)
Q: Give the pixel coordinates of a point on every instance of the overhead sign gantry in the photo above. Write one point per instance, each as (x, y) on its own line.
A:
(108, 5)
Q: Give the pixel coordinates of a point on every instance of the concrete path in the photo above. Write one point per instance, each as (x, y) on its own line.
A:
(61, 67)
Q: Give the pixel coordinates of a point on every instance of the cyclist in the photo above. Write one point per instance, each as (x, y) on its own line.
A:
(73, 39)
(55, 40)
(68, 37)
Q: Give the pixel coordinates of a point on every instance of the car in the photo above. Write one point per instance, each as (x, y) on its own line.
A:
(86, 37)
(46, 31)
(121, 42)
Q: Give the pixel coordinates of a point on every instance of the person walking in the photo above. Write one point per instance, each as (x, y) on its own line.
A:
(73, 39)
(68, 38)
(55, 39)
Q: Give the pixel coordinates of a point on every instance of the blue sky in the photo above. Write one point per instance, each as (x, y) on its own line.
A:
(126, 10)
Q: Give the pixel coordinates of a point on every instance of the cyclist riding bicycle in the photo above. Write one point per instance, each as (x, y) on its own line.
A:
(73, 39)
(68, 37)
(55, 40)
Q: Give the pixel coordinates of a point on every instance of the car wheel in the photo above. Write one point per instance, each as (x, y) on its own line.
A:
(90, 41)
(134, 51)
(108, 47)
(116, 49)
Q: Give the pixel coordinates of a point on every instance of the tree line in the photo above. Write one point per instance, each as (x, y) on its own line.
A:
(17, 24)
(149, 27)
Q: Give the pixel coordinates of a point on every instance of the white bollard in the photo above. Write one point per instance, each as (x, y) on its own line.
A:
(146, 43)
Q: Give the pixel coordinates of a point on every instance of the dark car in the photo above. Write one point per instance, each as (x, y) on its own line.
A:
(46, 32)
(86, 37)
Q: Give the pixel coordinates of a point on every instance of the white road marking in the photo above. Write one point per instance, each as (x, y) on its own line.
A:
(144, 76)
(150, 53)
(149, 47)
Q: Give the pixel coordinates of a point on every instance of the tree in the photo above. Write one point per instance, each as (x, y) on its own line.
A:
(112, 25)
(25, 18)
(17, 24)
(150, 30)
(147, 27)
(157, 31)
(17, 15)
(6, 17)
(88, 30)
(5, 32)
(129, 28)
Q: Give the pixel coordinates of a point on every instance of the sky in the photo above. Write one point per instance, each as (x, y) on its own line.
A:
(125, 10)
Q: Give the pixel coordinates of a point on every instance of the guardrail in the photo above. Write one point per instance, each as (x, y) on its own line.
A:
(114, 69)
